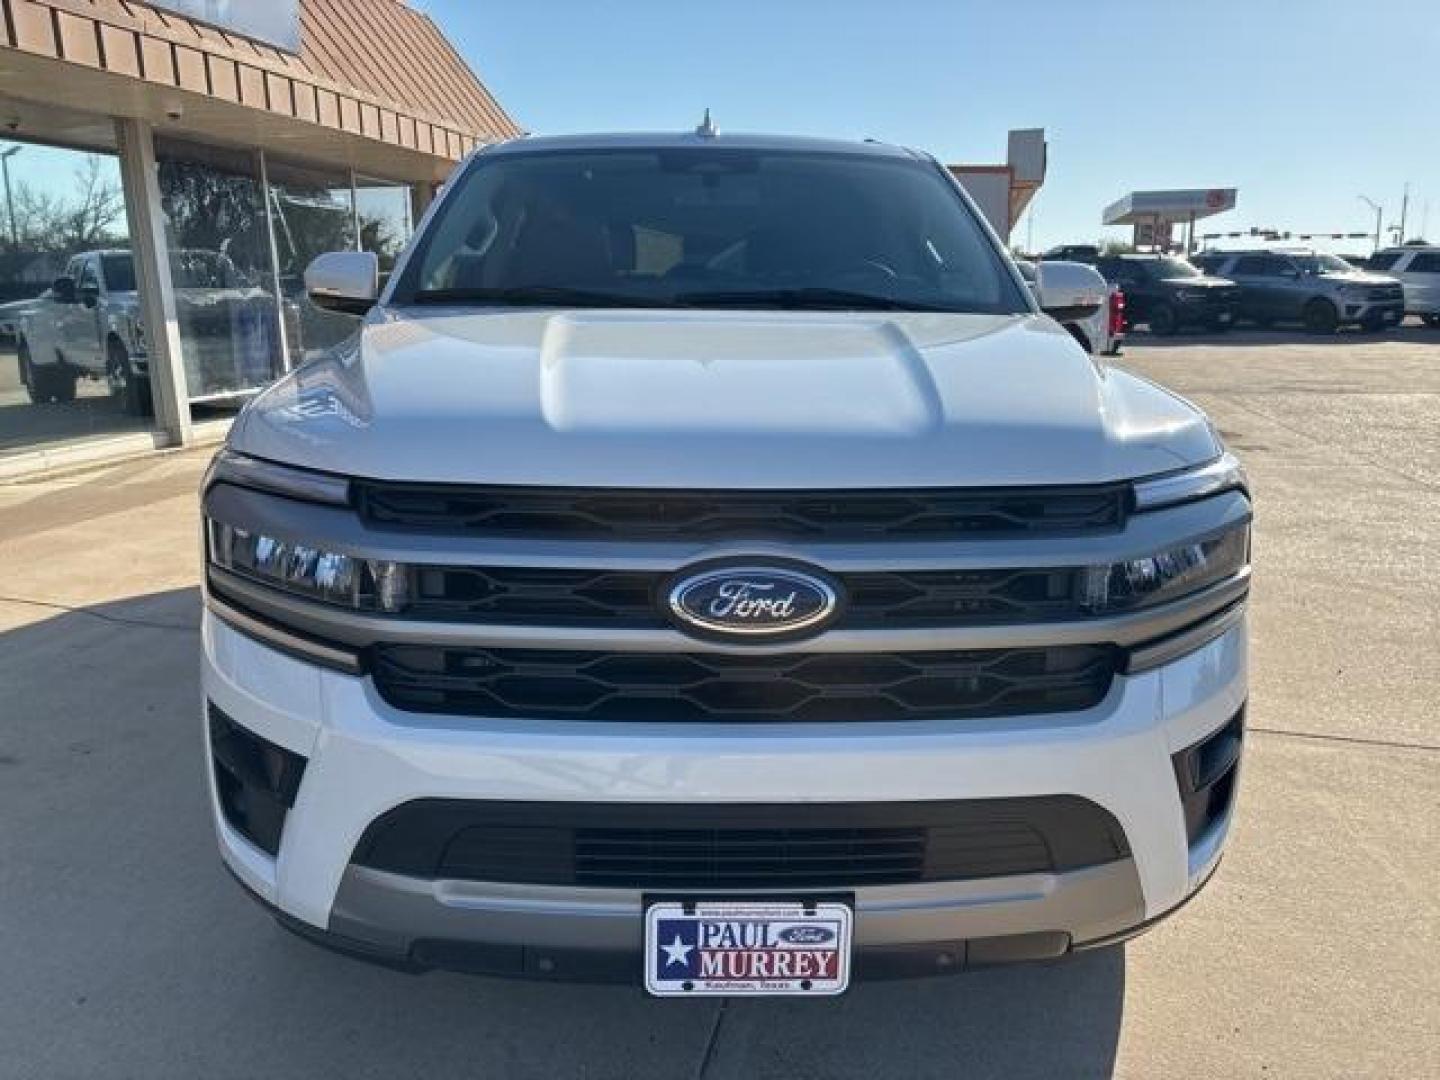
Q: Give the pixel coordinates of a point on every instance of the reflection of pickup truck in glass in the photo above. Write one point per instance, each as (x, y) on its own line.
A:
(89, 326)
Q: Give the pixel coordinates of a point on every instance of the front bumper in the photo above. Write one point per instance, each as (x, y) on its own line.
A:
(364, 758)
(1389, 312)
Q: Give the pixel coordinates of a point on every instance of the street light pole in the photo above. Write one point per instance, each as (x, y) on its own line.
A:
(1379, 218)
(10, 199)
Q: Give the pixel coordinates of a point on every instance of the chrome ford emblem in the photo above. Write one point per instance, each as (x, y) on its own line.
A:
(753, 600)
(806, 935)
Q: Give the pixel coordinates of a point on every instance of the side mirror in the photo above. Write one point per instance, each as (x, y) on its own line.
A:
(63, 290)
(1070, 292)
(90, 295)
(344, 281)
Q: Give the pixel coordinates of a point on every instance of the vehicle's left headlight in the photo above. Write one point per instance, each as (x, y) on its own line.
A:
(1168, 575)
(304, 569)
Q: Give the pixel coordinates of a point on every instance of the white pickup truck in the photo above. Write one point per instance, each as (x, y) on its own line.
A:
(88, 325)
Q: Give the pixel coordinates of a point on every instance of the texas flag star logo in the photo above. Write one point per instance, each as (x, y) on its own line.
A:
(678, 943)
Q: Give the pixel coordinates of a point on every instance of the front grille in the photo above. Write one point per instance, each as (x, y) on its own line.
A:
(617, 514)
(635, 599)
(729, 688)
(1387, 293)
(687, 847)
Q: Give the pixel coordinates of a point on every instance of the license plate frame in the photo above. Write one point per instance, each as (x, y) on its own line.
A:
(732, 947)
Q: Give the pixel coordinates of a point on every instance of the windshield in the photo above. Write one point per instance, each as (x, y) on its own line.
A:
(1173, 268)
(119, 272)
(1323, 264)
(709, 227)
(188, 270)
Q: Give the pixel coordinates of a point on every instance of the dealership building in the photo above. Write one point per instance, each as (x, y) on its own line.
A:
(170, 168)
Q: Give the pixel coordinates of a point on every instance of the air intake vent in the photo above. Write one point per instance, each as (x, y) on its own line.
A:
(747, 846)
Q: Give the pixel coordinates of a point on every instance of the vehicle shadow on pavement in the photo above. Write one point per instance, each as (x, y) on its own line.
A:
(129, 952)
(1250, 336)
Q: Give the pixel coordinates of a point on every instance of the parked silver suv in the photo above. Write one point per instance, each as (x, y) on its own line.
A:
(1324, 292)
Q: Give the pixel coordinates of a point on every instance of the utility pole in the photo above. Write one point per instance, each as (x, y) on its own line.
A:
(1404, 211)
(10, 199)
(1379, 219)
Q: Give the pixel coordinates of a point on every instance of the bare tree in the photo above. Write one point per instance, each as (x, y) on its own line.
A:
(91, 215)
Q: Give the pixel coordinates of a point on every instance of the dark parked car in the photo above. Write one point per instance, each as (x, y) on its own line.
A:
(1322, 291)
(1166, 293)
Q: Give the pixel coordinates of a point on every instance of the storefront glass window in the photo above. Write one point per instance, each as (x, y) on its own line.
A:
(72, 346)
(219, 253)
(313, 212)
(384, 210)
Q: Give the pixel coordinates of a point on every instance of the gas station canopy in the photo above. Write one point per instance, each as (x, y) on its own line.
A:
(1154, 214)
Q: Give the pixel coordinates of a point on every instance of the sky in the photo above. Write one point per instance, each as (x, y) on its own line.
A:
(1303, 105)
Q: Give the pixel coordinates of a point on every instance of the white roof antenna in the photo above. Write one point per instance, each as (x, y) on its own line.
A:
(707, 128)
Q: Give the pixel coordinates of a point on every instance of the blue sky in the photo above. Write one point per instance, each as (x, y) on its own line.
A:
(1301, 104)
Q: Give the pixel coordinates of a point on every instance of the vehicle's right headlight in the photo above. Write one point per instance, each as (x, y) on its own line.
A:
(307, 570)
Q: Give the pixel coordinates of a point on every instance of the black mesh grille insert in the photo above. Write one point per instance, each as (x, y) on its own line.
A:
(816, 687)
(565, 597)
(600, 513)
(755, 846)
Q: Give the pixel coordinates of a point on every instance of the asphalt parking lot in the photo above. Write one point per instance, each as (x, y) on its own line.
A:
(129, 953)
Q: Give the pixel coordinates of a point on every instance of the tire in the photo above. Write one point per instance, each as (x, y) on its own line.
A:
(62, 384)
(1321, 317)
(49, 382)
(1163, 320)
(36, 387)
(129, 389)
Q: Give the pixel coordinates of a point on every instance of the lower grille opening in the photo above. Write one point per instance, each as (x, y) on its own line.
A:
(257, 781)
(726, 688)
(1206, 773)
(679, 847)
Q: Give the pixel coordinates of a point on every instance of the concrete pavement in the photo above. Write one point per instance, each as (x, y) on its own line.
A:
(129, 953)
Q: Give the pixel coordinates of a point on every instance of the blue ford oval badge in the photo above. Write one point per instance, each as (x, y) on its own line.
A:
(753, 600)
(806, 935)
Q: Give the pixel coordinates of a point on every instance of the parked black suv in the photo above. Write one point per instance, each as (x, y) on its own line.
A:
(1168, 293)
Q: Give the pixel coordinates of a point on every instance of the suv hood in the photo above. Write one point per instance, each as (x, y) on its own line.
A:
(715, 399)
(1206, 281)
(1358, 277)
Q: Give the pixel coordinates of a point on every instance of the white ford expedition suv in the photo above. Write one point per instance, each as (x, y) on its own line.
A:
(708, 569)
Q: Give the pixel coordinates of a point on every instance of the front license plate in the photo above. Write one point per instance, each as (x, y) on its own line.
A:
(747, 948)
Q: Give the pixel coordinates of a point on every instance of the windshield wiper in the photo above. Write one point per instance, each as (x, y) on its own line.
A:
(805, 299)
(537, 296)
